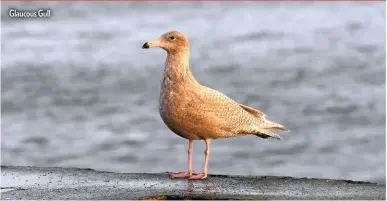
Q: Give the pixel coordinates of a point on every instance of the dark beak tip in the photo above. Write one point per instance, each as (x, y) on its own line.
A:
(145, 46)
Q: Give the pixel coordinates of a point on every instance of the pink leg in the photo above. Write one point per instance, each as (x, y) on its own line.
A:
(207, 154)
(190, 170)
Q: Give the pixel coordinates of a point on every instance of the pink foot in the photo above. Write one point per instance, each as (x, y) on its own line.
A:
(181, 175)
(198, 176)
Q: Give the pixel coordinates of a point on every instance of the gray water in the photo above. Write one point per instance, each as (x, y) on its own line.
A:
(78, 90)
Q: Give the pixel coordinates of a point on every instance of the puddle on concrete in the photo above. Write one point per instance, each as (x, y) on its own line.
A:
(3, 190)
(174, 197)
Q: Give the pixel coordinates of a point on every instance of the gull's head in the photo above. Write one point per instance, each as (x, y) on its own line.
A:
(172, 41)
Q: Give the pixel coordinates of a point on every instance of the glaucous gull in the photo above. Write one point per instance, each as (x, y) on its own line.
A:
(196, 112)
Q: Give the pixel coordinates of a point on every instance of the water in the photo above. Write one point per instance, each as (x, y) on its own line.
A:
(78, 90)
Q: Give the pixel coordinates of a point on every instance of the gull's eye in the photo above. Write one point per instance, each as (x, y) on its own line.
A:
(172, 37)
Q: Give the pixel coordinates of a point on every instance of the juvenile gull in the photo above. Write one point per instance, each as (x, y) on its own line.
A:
(196, 112)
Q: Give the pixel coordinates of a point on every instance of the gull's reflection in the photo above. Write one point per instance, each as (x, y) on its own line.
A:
(202, 186)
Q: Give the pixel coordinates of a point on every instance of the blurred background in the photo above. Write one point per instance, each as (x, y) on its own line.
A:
(78, 90)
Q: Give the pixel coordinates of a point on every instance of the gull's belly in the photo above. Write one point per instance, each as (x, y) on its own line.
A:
(171, 110)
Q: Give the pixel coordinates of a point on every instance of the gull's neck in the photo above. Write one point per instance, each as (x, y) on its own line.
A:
(177, 68)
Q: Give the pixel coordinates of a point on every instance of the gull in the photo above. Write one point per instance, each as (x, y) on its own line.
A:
(197, 112)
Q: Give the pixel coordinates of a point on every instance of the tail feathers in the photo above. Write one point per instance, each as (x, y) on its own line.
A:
(269, 125)
(277, 129)
(266, 134)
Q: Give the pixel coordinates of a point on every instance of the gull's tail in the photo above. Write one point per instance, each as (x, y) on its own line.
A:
(271, 126)
(264, 131)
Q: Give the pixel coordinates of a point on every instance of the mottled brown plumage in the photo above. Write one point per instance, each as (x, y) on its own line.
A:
(194, 111)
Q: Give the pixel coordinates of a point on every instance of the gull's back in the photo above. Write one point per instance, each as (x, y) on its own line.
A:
(206, 113)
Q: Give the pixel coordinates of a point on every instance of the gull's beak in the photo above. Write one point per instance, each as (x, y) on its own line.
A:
(152, 43)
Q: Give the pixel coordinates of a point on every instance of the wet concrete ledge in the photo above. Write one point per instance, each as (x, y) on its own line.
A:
(83, 184)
